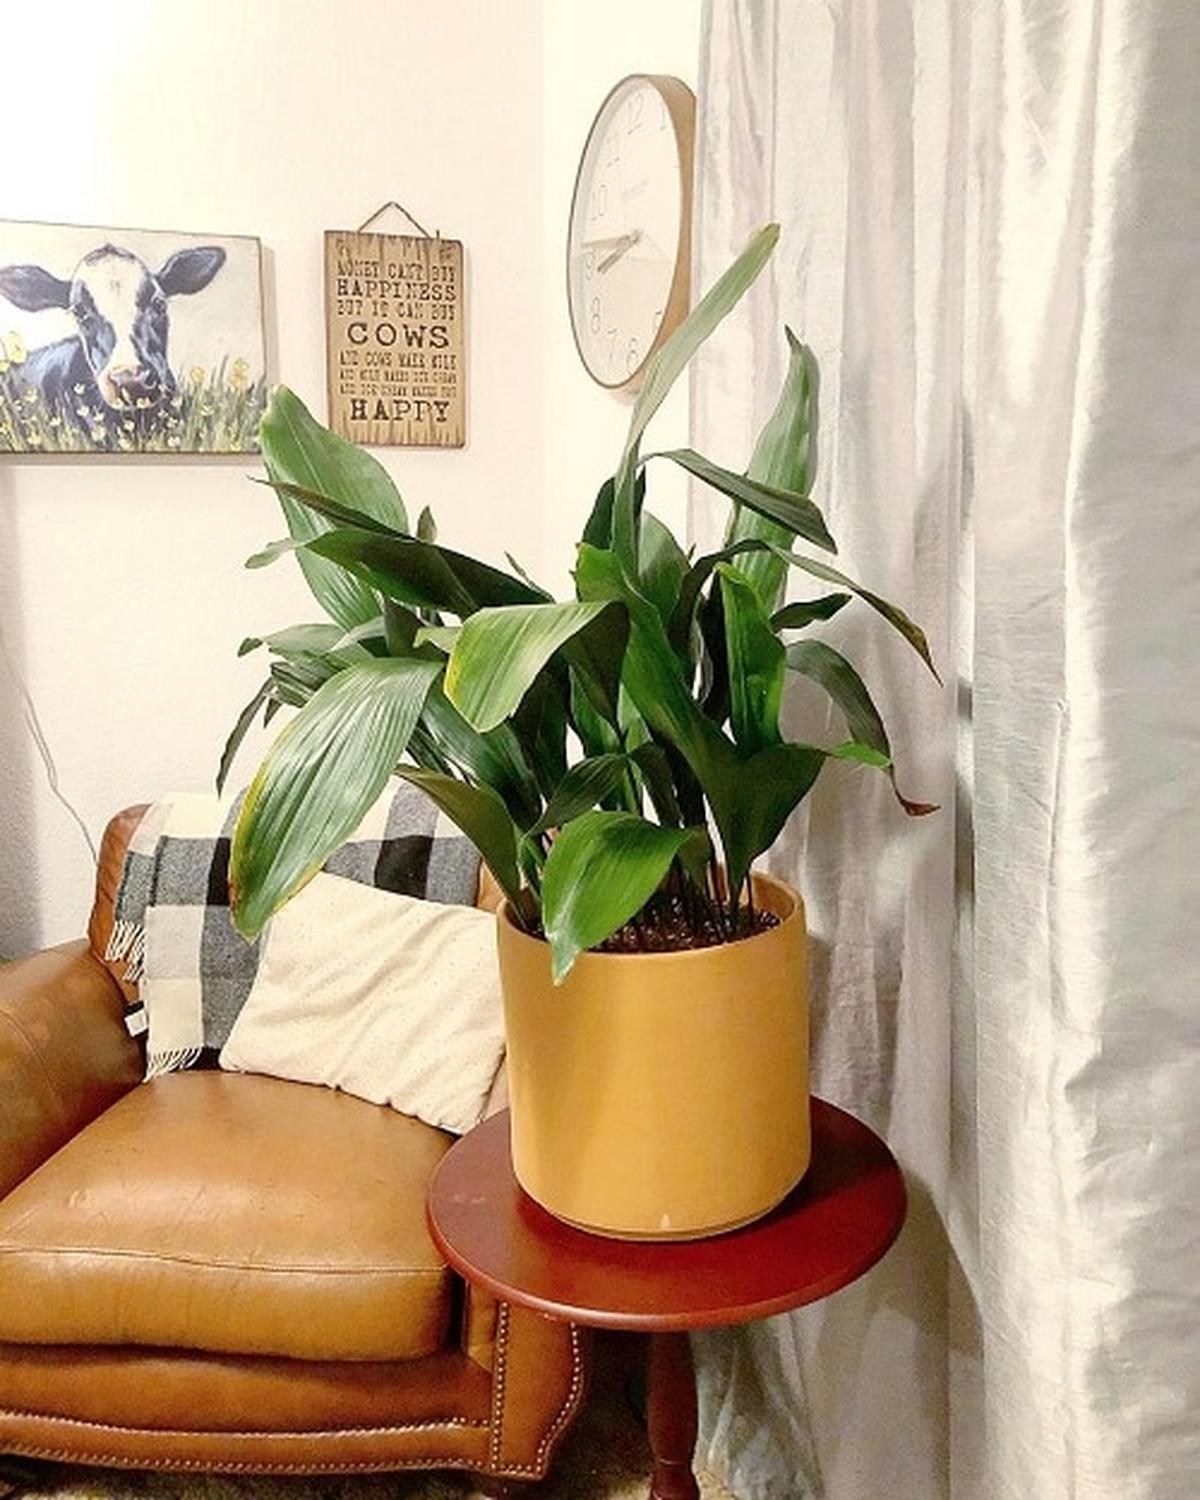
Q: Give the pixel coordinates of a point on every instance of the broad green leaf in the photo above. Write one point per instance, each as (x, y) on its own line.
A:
(311, 640)
(662, 565)
(539, 724)
(596, 656)
(441, 636)
(298, 450)
(495, 759)
(666, 367)
(483, 817)
(683, 618)
(588, 782)
(675, 355)
(794, 512)
(757, 663)
(422, 574)
(784, 457)
(602, 869)
(655, 767)
(272, 552)
(700, 570)
(804, 612)
(895, 617)
(238, 733)
(499, 652)
(318, 779)
(831, 670)
(770, 786)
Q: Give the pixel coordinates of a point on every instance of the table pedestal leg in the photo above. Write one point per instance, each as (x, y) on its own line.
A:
(671, 1416)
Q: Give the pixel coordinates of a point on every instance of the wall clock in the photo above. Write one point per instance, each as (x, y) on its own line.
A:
(629, 241)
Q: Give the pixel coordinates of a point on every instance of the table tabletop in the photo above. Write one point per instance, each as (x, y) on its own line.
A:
(831, 1229)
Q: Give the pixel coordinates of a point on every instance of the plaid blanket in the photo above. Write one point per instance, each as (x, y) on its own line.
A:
(172, 925)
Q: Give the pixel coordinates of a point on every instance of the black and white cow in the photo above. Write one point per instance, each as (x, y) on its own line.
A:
(116, 364)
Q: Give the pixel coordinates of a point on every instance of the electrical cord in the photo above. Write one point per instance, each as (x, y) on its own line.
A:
(42, 745)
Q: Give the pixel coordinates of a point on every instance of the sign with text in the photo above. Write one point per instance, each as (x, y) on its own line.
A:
(394, 325)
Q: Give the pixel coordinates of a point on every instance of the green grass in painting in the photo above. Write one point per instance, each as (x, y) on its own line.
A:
(213, 411)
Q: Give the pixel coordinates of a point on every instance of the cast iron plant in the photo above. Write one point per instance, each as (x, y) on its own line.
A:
(616, 758)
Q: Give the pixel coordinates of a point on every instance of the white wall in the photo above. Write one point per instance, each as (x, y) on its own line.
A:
(584, 53)
(122, 596)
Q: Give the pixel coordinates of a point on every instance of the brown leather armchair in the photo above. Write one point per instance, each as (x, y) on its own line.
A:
(223, 1272)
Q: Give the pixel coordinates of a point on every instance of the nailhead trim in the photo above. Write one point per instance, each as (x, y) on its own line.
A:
(187, 1432)
(565, 1412)
(204, 1465)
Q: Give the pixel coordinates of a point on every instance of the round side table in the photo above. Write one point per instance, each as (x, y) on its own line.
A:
(839, 1221)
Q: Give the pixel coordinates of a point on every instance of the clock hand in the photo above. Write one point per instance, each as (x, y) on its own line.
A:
(612, 239)
(623, 247)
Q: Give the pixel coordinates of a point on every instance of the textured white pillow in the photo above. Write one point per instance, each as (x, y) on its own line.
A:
(388, 997)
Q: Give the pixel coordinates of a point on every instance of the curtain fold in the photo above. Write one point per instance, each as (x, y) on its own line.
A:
(989, 218)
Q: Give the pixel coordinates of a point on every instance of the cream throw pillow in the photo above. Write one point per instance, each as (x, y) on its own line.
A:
(388, 997)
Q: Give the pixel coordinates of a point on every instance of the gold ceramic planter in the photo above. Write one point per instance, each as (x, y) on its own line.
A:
(661, 1095)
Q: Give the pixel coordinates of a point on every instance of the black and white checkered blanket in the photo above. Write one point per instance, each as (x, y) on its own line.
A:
(172, 925)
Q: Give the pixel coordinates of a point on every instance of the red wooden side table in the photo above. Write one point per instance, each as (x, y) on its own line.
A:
(828, 1232)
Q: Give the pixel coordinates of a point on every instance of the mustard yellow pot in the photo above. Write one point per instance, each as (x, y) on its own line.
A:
(661, 1095)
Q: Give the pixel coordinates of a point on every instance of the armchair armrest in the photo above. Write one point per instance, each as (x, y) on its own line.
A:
(65, 1055)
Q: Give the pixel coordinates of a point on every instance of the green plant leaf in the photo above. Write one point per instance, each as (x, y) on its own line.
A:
(676, 354)
(771, 785)
(441, 636)
(587, 782)
(495, 759)
(602, 869)
(596, 656)
(784, 457)
(831, 671)
(499, 652)
(422, 574)
(483, 817)
(895, 616)
(804, 612)
(757, 663)
(238, 733)
(272, 552)
(662, 565)
(540, 725)
(665, 368)
(318, 779)
(298, 450)
(794, 512)
(655, 766)
(426, 526)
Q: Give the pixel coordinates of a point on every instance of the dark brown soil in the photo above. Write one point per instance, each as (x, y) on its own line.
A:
(668, 927)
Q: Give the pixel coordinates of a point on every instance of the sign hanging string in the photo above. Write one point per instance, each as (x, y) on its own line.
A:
(400, 208)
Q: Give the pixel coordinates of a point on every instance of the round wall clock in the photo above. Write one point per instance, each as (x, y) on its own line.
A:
(629, 242)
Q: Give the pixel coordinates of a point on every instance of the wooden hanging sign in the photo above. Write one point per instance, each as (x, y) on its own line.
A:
(394, 325)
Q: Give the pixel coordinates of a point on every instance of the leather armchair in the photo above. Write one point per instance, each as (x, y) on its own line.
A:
(222, 1272)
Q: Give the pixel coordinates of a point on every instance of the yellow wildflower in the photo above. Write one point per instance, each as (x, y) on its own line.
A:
(196, 376)
(14, 347)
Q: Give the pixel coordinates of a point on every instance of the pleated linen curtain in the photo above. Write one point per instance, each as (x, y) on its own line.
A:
(990, 216)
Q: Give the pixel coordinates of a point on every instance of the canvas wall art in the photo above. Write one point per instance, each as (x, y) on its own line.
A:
(129, 341)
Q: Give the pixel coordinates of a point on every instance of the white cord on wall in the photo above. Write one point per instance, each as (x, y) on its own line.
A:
(34, 724)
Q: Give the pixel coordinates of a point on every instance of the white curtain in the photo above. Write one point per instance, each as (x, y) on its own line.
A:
(990, 224)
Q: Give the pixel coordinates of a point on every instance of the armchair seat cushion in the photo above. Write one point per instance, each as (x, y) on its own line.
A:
(231, 1214)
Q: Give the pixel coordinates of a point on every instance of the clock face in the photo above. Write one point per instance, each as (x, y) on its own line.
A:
(627, 251)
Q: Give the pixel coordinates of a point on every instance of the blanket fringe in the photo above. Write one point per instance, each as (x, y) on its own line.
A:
(158, 1063)
(127, 943)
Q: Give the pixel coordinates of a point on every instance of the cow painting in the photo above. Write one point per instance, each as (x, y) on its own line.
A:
(110, 383)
